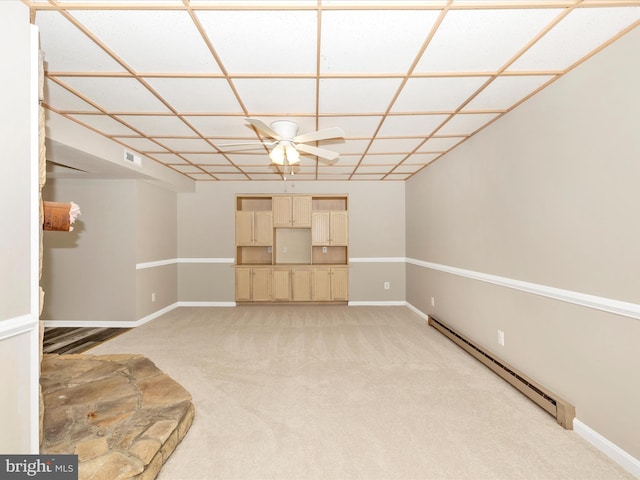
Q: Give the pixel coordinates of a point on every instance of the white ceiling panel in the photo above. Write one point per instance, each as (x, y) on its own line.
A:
(466, 124)
(187, 168)
(358, 41)
(277, 95)
(363, 71)
(394, 145)
(186, 144)
(382, 159)
(168, 158)
(352, 95)
(410, 125)
(440, 144)
(197, 94)
(362, 126)
(436, 94)
(420, 158)
(117, 94)
(474, 40)
(104, 123)
(67, 49)
(263, 41)
(60, 98)
(243, 159)
(141, 144)
(504, 92)
(152, 126)
(151, 40)
(221, 126)
(579, 33)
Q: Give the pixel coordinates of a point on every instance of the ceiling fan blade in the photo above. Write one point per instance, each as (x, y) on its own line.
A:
(333, 132)
(319, 152)
(263, 128)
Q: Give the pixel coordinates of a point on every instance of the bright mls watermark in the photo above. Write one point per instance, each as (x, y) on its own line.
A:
(50, 467)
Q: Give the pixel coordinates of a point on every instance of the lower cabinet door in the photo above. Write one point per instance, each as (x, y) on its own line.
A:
(261, 285)
(321, 284)
(243, 284)
(339, 283)
(281, 284)
(301, 284)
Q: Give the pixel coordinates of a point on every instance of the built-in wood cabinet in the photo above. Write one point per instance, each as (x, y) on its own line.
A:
(292, 248)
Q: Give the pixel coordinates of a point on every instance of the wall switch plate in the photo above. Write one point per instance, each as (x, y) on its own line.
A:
(387, 285)
(269, 250)
(285, 249)
(433, 301)
(153, 297)
(500, 337)
(324, 249)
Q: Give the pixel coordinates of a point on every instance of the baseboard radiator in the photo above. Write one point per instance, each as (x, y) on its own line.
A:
(563, 411)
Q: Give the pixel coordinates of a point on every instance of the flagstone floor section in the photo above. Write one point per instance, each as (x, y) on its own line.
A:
(120, 414)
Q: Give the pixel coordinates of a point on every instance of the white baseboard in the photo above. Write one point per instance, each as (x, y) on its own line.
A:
(417, 312)
(390, 303)
(610, 449)
(206, 304)
(110, 323)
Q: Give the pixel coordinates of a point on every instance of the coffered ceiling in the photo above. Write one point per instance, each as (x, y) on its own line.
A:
(407, 81)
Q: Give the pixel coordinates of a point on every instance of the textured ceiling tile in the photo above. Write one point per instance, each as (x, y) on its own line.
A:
(117, 94)
(186, 144)
(168, 158)
(421, 158)
(358, 40)
(62, 99)
(104, 124)
(152, 126)
(474, 40)
(436, 94)
(394, 145)
(410, 125)
(346, 146)
(505, 91)
(362, 126)
(151, 40)
(245, 159)
(351, 95)
(263, 41)
(197, 94)
(576, 35)
(221, 126)
(382, 159)
(466, 124)
(283, 96)
(142, 144)
(440, 144)
(67, 49)
(206, 158)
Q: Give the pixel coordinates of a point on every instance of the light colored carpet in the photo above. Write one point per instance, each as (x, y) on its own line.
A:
(331, 392)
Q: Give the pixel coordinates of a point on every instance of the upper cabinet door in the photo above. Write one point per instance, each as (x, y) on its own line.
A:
(263, 228)
(320, 228)
(282, 211)
(244, 228)
(301, 212)
(339, 228)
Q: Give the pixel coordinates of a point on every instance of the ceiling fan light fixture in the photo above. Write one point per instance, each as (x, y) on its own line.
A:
(277, 155)
(284, 152)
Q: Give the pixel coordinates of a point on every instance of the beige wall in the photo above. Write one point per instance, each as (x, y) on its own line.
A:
(549, 195)
(156, 240)
(89, 273)
(18, 284)
(376, 230)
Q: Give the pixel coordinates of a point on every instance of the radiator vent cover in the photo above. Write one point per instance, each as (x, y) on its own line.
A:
(563, 411)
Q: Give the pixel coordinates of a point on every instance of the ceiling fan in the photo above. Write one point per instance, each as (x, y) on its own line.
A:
(287, 145)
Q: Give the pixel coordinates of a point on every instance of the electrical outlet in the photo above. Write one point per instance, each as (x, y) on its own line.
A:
(324, 249)
(433, 301)
(285, 249)
(153, 297)
(500, 337)
(387, 285)
(269, 250)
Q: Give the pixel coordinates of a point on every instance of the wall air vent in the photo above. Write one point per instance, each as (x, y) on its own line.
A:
(131, 157)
